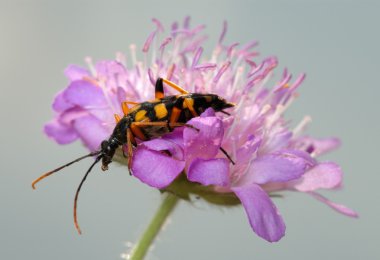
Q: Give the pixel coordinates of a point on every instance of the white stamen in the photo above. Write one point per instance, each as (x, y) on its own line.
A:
(120, 57)
(106, 93)
(275, 116)
(215, 54)
(132, 49)
(290, 101)
(265, 109)
(237, 80)
(301, 126)
(91, 66)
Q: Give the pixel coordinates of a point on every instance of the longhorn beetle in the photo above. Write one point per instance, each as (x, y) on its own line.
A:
(145, 121)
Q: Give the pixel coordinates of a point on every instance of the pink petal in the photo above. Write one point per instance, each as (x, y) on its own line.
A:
(165, 145)
(209, 112)
(277, 167)
(84, 94)
(209, 172)
(110, 71)
(317, 146)
(89, 97)
(154, 168)
(62, 134)
(322, 176)
(262, 213)
(204, 143)
(69, 115)
(91, 131)
(121, 95)
(176, 137)
(248, 150)
(60, 103)
(277, 141)
(75, 72)
(338, 207)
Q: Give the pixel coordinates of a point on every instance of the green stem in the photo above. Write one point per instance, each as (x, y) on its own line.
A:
(142, 246)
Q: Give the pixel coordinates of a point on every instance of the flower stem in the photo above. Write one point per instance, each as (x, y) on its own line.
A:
(167, 206)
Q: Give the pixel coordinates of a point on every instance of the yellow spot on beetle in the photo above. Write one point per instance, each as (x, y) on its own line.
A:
(161, 111)
(140, 115)
(135, 108)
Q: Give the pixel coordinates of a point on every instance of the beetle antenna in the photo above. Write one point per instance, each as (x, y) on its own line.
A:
(77, 193)
(227, 155)
(224, 112)
(60, 168)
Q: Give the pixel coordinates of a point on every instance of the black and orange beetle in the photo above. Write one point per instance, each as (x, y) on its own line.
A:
(148, 120)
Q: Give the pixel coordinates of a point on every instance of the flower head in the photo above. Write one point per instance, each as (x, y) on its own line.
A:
(268, 156)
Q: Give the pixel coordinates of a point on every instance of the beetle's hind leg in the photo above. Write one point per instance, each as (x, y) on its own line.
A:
(125, 108)
(130, 142)
(175, 86)
(159, 88)
(168, 124)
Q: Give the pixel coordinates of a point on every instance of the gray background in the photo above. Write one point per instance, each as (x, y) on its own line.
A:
(336, 43)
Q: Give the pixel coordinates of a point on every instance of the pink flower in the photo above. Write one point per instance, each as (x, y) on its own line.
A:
(268, 155)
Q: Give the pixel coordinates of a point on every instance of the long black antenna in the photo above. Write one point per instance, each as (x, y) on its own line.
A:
(60, 168)
(227, 155)
(77, 193)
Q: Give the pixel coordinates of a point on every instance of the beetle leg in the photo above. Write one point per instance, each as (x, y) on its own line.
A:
(159, 89)
(117, 118)
(136, 131)
(175, 86)
(169, 124)
(125, 108)
(189, 104)
(129, 148)
(177, 109)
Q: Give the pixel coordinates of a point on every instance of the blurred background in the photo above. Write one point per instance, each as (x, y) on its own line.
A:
(335, 42)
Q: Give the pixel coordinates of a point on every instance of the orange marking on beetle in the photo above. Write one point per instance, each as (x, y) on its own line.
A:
(175, 115)
(159, 95)
(189, 103)
(137, 132)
